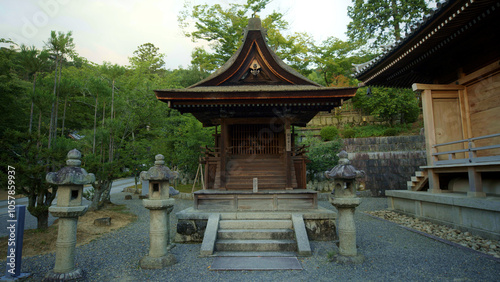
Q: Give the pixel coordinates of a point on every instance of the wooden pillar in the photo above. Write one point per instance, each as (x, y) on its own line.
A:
(223, 159)
(430, 135)
(288, 152)
(434, 186)
(475, 183)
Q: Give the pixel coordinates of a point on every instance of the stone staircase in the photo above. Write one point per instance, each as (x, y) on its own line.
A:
(418, 181)
(255, 234)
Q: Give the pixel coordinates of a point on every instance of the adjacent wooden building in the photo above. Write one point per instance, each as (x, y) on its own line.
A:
(452, 59)
(254, 101)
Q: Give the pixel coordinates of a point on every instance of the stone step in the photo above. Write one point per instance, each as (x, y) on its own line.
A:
(255, 254)
(246, 179)
(256, 245)
(420, 173)
(245, 234)
(255, 224)
(235, 186)
(256, 215)
(410, 185)
(255, 173)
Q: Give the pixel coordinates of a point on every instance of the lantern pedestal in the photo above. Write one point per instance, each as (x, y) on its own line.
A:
(159, 234)
(345, 200)
(70, 181)
(160, 206)
(346, 227)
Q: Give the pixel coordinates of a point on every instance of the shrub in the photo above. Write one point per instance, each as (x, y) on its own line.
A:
(323, 156)
(329, 133)
(391, 132)
(348, 133)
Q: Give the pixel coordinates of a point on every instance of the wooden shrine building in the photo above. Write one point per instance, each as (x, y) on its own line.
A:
(452, 60)
(254, 101)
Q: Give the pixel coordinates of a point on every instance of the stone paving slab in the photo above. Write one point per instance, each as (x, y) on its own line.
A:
(255, 263)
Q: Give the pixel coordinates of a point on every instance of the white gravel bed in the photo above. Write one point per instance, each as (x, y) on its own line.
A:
(465, 239)
(392, 254)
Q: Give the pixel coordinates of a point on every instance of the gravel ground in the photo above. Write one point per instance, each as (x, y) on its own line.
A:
(392, 254)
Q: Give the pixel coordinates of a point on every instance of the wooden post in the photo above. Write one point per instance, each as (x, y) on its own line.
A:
(288, 151)
(475, 183)
(223, 147)
(428, 114)
(434, 186)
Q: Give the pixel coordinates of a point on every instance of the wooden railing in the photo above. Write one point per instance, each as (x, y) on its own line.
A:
(300, 151)
(470, 154)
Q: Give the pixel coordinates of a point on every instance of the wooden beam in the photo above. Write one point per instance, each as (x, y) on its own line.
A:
(422, 87)
(480, 74)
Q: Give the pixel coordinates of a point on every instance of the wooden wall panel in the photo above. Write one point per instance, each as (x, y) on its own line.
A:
(447, 125)
(484, 101)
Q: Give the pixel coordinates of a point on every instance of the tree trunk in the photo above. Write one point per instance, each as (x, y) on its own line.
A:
(135, 183)
(52, 110)
(57, 102)
(102, 141)
(397, 28)
(111, 128)
(42, 220)
(106, 195)
(51, 125)
(97, 196)
(99, 189)
(64, 116)
(95, 125)
(32, 103)
(39, 122)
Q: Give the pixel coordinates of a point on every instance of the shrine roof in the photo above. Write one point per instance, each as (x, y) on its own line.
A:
(458, 35)
(255, 88)
(257, 79)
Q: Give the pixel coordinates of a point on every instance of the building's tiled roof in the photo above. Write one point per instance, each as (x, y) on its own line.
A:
(434, 33)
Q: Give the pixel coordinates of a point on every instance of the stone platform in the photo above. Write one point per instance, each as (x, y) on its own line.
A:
(480, 216)
(314, 224)
(263, 200)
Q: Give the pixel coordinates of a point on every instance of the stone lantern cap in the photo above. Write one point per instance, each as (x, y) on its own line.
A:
(159, 171)
(72, 174)
(344, 170)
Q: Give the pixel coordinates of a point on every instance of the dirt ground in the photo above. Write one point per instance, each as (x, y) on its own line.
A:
(38, 242)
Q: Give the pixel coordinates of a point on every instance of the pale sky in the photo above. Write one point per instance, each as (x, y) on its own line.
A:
(111, 30)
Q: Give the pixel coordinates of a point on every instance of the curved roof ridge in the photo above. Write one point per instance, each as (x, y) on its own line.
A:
(255, 24)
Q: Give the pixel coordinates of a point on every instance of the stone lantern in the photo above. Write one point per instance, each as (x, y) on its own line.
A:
(160, 206)
(345, 200)
(70, 181)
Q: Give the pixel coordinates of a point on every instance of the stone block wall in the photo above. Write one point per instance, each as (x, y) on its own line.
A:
(389, 162)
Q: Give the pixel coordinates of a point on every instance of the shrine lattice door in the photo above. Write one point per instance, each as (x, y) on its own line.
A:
(255, 139)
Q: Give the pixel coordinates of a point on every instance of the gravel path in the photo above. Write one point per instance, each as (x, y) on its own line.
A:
(392, 254)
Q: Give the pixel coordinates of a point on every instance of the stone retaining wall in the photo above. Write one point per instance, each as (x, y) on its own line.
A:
(389, 162)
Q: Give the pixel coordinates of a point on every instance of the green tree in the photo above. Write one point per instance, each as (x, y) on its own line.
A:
(382, 22)
(148, 58)
(22, 151)
(333, 59)
(60, 45)
(13, 92)
(222, 28)
(388, 104)
(33, 62)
